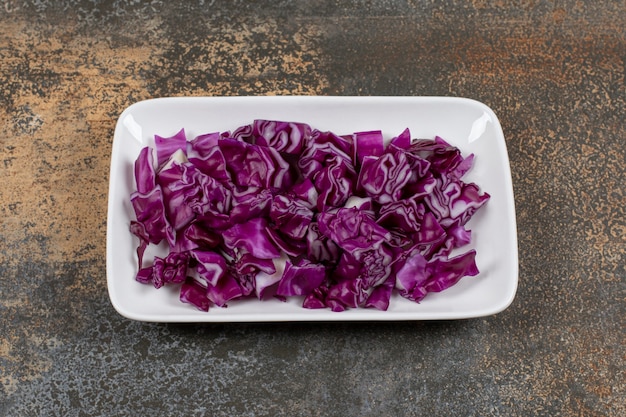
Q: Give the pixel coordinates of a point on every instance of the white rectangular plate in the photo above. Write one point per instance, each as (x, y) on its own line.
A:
(471, 126)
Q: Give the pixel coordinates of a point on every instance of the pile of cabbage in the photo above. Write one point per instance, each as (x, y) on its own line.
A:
(278, 209)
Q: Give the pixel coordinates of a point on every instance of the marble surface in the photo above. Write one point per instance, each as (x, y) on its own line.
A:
(552, 71)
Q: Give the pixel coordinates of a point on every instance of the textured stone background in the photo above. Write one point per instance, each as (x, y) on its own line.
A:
(553, 71)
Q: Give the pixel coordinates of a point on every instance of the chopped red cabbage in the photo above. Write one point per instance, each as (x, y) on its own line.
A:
(320, 147)
(211, 266)
(353, 230)
(167, 146)
(281, 209)
(419, 276)
(305, 193)
(150, 212)
(301, 279)
(406, 215)
(384, 177)
(334, 183)
(227, 289)
(290, 216)
(251, 237)
(402, 141)
(368, 144)
(194, 293)
(320, 248)
(287, 137)
(249, 203)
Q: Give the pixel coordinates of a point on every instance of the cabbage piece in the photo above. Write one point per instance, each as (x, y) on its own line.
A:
(139, 230)
(292, 247)
(280, 176)
(456, 236)
(243, 133)
(334, 183)
(421, 181)
(171, 269)
(411, 278)
(196, 235)
(404, 214)
(265, 281)
(470, 200)
(313, 301)
(290, 216)
(430, 237)
(438, 152)
(152, 224)
(192, 292)
(245, 270)
(459, 236)
(305, 193)
(417, 277)
(202, 145)
(253, 169)
(454, 201)
(417, 188)
(353, 230)
(204, 153)
(368, 144)
(256, 166)
(167, 146)
(144, 275)
(357, 277)
(211, 266)
(325, 160)
(447, 272)
(420, 167)
(402, 141)
(317, 299)
(430, 230)
(249, 264)
(444, 158)
(371, 267)
(319, 147)
(245, 282)
(383, 178)
(346, 294)
(341, 145)
(249, 203)
(346, 291)
(301, 279)
(320, 248)
(145, 175)
(150, 213)
(234, 152)
(252, 237)
(376, 266)
(226, 289)
(287, 137)
(178, 186)
(189, 193)
(463, 166)
(381, 295)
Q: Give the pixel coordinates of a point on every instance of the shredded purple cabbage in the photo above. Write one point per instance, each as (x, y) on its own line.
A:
(279, 209)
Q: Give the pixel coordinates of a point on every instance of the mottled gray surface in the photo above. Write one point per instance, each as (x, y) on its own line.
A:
(552, 71)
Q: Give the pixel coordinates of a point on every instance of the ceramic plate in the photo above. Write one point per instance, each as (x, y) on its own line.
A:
(470, 125)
